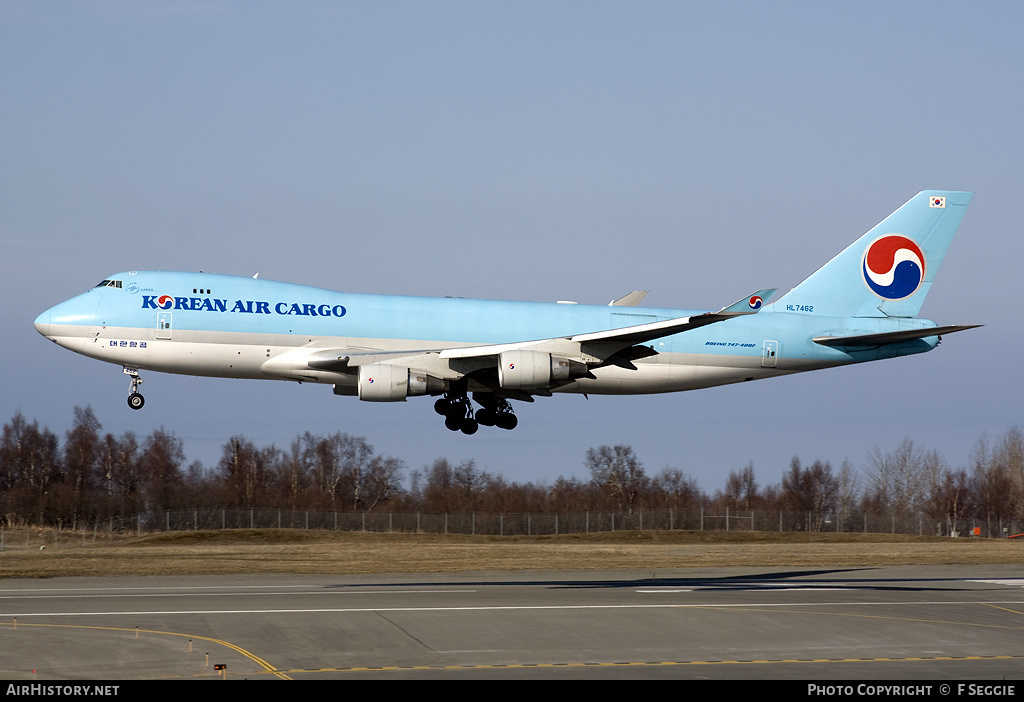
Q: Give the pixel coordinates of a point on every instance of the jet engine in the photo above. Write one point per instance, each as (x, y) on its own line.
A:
(524, 369)
(384, 382)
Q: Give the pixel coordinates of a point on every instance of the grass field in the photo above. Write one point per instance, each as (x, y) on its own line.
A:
(326, 552)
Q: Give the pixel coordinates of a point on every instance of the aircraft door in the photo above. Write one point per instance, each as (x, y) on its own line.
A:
(770, 355)
(163, 325)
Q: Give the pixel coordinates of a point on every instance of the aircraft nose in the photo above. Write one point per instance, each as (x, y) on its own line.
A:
(43, 323)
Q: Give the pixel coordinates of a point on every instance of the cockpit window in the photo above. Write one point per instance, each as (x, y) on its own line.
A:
(109, 284)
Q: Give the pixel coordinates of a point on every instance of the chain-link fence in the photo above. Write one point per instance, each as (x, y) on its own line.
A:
(694, 519)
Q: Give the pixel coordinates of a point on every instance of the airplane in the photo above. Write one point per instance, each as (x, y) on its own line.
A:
(860, 306)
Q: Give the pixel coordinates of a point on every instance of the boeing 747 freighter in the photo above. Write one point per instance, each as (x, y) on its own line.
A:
(860, 306)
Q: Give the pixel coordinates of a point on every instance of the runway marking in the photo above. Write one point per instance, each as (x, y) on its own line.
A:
(515, 608)
(786, 588)
(251, 656)
(1005, 609)
(759, 608)
(1019, 582)
(621, 664)
(787, 608)
(44, 596)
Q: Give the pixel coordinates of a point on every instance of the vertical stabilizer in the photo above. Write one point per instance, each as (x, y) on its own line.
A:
(889, 270)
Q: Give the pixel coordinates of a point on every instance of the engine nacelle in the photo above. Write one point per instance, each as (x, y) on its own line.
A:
(384, 382)
(524, 369)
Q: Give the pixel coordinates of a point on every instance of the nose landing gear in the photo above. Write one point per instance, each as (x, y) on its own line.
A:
(135, 399)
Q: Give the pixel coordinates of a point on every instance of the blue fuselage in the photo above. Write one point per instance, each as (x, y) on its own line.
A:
(227, 326)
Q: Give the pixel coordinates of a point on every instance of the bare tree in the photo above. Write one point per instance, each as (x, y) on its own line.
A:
(997, 475)
(81, 466)
(449, 488)
(847, 492)
(122, 475)
(810, 491)
(247, 472)
(898, 480)
(29, 466)
(741, 490)
(160, 461)
(618, 471)
(381, 481)
(949, 498)
(677, 489)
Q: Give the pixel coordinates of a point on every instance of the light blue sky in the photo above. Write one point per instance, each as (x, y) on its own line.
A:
(517, 150)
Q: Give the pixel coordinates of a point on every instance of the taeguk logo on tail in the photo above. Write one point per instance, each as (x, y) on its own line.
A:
(755, 302)
(893, 266)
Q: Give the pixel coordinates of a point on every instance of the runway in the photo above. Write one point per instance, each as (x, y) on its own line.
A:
(907, 623)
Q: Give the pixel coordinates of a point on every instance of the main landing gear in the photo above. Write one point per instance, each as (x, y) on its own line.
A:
(135, 399)
(459, 416)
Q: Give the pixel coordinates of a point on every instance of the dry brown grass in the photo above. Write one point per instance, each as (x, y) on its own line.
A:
(325, 552)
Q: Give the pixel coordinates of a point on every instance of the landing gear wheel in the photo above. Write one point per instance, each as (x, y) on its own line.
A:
(458, 414)
(504, 418)
(135, 400)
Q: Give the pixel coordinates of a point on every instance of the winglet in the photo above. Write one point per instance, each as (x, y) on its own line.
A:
(751, 304)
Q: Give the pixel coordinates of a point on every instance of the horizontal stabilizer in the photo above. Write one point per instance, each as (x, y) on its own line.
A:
(857, 340)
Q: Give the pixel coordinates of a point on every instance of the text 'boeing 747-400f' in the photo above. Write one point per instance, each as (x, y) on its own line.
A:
(860, 306)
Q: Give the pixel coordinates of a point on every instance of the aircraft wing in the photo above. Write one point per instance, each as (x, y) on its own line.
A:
(613, 346)
(623, 336)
